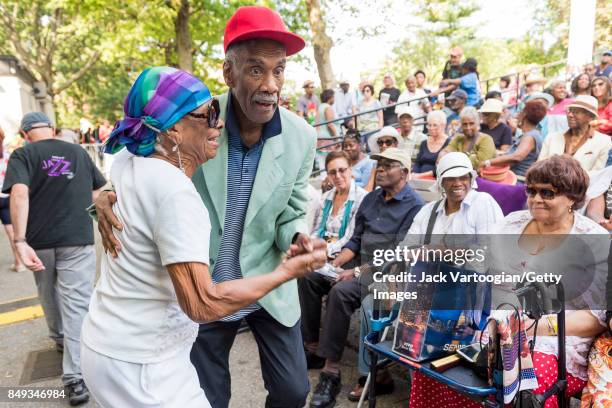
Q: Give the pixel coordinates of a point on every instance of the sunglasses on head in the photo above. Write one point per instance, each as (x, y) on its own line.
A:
(212, 115)
(545, 193)
(387, 143)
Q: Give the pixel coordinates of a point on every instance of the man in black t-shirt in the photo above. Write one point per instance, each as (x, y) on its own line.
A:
(387, 96)
(50, 183)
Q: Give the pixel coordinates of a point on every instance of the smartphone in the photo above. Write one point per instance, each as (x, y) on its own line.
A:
(470, 353)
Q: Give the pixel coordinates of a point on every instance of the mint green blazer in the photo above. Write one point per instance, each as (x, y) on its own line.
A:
(277, 208)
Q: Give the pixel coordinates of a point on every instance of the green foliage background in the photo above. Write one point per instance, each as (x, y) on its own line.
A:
(113, 40)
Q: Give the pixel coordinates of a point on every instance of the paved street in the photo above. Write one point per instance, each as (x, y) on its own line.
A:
(18, 339)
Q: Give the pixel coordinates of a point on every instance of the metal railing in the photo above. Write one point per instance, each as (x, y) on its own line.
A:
(355, 115)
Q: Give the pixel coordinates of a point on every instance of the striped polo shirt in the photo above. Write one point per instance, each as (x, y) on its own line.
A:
(242, 162)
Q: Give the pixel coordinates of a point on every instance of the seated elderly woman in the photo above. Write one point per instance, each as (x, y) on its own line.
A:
(143, 311)
(526, 147)
(425, 163)
(335, 216)
(379, 142)
(540, 238)
(581, 140)
(477, 145)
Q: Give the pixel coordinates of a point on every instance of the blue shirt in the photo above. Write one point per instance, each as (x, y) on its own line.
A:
(242, 163)
(469, 83)
(383, 224)
(362, 171)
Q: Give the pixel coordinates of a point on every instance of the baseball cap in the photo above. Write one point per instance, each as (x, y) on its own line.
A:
(31, 119)
(393, 153)
(458, 93)
(251, 22)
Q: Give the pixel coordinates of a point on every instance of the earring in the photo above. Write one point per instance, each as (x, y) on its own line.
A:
(178, 152)
(570, 209)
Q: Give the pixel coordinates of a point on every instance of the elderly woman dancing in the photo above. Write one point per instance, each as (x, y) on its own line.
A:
(142, 319)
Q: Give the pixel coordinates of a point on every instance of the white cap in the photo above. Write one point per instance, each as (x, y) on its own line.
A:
(454, 164)
(492, 105)
(386, 131)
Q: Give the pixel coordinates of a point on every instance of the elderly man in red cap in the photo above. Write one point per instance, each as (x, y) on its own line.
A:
(255, 193)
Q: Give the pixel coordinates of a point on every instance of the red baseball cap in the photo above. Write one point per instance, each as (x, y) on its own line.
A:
(251, 22)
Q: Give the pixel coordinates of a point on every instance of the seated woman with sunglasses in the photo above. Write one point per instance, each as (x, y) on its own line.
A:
(141, 325)
(335, 216)
(540, 236)
(387, 137)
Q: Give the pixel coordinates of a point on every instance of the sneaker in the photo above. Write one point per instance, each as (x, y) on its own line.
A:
(314, 362)
(77, 393)
(326, 391)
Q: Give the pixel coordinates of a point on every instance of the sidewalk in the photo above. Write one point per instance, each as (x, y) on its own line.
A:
(20, 338)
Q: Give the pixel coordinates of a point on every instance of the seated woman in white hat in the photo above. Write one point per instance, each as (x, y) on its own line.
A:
(379, 142)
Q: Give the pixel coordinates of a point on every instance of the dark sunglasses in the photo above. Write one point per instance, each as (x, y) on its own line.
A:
(212, 115)
(387, 143)
(545, 193)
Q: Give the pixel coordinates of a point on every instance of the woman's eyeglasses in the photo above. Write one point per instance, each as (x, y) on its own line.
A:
(387, 143)
(212, 115)
(545, 193)
(340, 170)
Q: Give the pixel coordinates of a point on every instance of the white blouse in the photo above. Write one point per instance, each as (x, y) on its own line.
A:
(334, 223)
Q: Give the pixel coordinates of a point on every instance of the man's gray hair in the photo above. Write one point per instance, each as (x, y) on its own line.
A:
(437, 116)
(470, 112)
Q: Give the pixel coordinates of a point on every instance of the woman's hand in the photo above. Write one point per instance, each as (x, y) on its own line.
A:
(107, 220)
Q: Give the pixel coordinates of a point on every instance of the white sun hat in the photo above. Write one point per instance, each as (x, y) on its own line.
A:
(453, 164)
(386, 131)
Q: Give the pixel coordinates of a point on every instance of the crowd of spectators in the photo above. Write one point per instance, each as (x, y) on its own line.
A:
(541, 142)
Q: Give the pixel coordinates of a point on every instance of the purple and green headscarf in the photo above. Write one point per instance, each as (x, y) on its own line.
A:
(159, 98)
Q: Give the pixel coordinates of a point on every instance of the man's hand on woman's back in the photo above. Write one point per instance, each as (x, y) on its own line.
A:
(107, 220)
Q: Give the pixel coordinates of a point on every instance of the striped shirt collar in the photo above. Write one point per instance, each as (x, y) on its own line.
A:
(270, 129)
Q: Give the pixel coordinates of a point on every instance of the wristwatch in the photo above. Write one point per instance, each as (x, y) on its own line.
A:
(357, 272)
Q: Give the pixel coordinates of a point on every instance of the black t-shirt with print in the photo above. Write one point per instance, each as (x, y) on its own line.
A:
(389, 116)
(61, 177)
